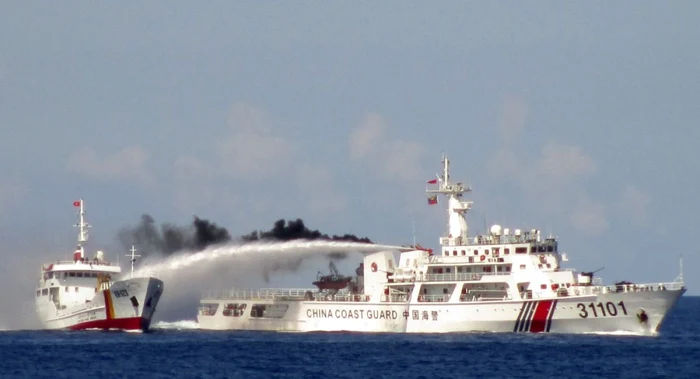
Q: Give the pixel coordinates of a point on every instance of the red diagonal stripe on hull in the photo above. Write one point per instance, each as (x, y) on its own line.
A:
(131, 323)
(539, 319)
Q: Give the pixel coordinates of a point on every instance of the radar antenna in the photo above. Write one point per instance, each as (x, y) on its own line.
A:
(456, 208)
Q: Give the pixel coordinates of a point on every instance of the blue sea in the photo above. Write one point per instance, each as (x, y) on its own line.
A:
(171, 350)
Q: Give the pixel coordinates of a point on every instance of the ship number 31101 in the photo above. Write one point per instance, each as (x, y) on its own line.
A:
(601, 309)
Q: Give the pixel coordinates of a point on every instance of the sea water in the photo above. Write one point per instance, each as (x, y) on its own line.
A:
(180, 350)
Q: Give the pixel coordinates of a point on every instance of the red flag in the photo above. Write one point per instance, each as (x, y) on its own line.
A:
(434, 181)
(76, 203)
(432, 200)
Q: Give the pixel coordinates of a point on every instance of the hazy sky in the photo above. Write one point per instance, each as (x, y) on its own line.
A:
(576, 118)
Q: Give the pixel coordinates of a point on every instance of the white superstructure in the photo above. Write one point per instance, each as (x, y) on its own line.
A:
(81, 293)
(507, 280)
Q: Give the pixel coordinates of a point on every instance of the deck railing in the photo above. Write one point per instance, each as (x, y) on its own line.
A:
(451, 277)
(595, 290)
(86, 262)
(312, 294)
(260, 294)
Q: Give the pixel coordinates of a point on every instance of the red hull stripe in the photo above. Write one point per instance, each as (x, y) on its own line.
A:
(132, 323)
(539, 319)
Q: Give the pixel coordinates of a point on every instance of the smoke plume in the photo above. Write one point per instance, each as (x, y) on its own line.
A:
(294, 230)
(168, 239)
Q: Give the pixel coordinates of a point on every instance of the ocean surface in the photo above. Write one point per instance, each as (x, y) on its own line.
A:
(179, 350)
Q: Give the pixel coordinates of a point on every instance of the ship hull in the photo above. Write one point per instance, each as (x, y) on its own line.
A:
(633, 312)
(127, 305)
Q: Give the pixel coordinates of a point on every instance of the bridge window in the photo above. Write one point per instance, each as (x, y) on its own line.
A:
(476, 252)
(486, 252)
(454, 252)
(522, 267)
(506, 251)
(464, 252)
(533, 249)
(520, 250)
(66, 288)
(268, 310)
(447, 270)
(543, 286)
(76, 289)
(71, 274)
(550, 248)
(38, 293)
(79, 274)
(44, 292)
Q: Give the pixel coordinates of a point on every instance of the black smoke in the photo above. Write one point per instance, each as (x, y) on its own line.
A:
(296, 230)
(168, 239)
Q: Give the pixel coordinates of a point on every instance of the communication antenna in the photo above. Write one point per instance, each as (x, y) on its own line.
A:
(133, 256)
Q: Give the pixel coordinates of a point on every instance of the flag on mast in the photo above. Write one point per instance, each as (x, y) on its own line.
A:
(434, 181)
(76, 203)
(432, 200)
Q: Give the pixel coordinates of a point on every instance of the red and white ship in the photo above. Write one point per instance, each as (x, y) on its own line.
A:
(81, 293)
(503, 281)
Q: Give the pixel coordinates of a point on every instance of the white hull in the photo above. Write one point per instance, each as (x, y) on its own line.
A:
(610, 312)
(128, 305)
(491, 282)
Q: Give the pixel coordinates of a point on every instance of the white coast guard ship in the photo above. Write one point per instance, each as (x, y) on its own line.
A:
(504, 281)
(80, 293)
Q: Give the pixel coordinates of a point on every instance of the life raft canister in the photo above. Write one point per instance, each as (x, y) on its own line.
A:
(483, 257)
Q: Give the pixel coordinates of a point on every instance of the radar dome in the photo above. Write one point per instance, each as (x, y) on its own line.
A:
(496, 230)
(506, 231)
(100, 255)
(518, 232)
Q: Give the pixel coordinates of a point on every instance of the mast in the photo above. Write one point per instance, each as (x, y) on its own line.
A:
(133, 256)
(82, 230)
(456, 208)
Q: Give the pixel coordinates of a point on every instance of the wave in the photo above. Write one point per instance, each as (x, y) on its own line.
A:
(621, 333)
(176, 325)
